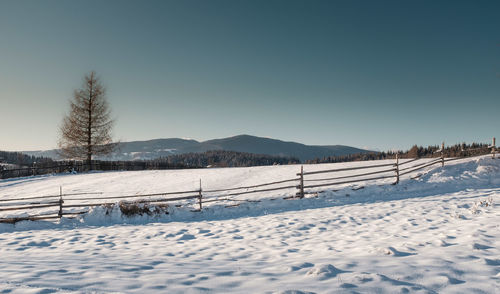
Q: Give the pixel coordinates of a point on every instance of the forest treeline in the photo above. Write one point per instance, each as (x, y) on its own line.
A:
(21, 159)
(457, 150)
(218, 158)
(221, 158)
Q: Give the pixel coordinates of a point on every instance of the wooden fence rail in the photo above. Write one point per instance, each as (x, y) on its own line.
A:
(49, 196)
(136, 195)
(348, 182)
(215, 195)
(409, 161)
(30, 207)
(346, 169)
(17, 203)
(350, 176)
(260, 190)
(421, 167)
(131, 202)
(421, 164)
(79, 166)
(254, 186)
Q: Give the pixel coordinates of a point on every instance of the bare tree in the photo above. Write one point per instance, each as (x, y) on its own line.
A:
(86, 130)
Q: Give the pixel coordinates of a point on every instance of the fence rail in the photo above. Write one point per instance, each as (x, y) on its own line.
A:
(50, 196)
(301, 184)
(254, 186)
(351, 176)
(421, 164)
(420, 167)
(80, 166)
(409, 161)
(349, 182)
(346, 169)
(260, 190)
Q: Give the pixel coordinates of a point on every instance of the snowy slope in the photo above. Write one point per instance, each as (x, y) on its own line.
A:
(437, 234)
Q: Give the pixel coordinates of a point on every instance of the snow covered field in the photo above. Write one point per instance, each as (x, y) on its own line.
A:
(437, 234)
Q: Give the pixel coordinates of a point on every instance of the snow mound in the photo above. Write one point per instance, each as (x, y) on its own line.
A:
(325, 271)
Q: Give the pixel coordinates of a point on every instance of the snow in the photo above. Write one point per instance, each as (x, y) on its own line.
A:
(437, 234)
(171, 150)
(8, 165)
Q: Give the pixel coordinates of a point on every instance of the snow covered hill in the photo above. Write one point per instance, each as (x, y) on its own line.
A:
(439, 233)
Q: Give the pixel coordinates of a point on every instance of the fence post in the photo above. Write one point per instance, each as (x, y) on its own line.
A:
(442, 154)
(60, 202)
(301, 182)
(493, 151)
(397, 168)
(200, 196)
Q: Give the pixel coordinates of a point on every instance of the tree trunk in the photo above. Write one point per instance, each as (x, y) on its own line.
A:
(89, 130)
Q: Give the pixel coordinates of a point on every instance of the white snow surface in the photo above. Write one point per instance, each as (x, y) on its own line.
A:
(436, 234)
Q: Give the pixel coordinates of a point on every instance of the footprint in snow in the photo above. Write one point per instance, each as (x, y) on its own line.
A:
(394, 252)
(478, 246)
(296, 292)
(301, 266)
(180, 232)
(492, 262)
(224, 274)
(39, 244)
(444, 279)
(443, 243)
(348, 286)
(186, 237)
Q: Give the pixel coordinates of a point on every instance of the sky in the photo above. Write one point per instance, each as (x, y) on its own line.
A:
(372, 74)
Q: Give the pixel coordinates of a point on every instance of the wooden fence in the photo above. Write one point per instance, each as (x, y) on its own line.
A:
(81, 166)
(306, 182)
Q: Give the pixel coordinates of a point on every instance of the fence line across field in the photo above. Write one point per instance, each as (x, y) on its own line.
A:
(136, 195)
(17, 203)
(349, 182)
(346, 169)
(260, 190)
(254, 186)
(30, 207)
(420, 164)
(212, 196)
(409, 161)
(40, 169)
(421, 167)
(350, 176)
(50, 196)
(132, 202)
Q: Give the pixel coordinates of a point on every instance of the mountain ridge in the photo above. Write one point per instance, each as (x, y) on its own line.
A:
(155, 148)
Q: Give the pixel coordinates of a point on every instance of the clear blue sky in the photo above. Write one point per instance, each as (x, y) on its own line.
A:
(377, 74)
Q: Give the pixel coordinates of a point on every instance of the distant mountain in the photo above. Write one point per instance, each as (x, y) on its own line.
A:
(258, 145)
(152, 149)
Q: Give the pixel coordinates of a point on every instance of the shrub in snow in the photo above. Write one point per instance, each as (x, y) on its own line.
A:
(475, 209)
(130, 209)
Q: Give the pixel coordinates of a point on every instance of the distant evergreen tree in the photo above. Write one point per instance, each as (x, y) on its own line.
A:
(86, 129)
